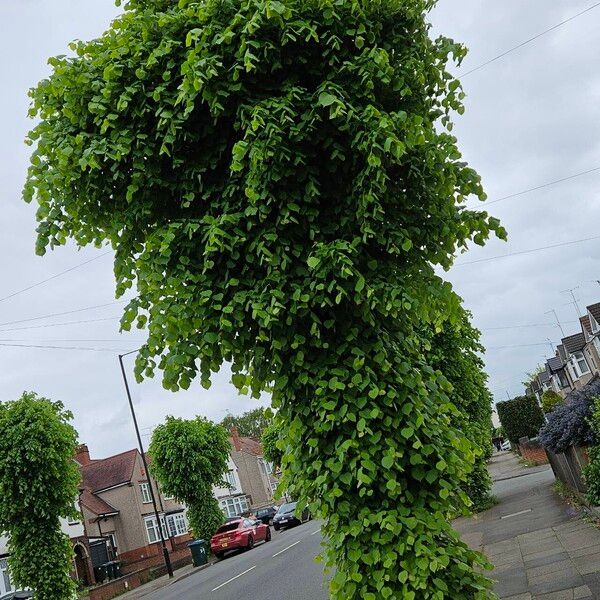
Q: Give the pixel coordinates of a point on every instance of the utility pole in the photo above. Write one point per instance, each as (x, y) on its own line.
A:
(152, 495)
(557, 320)
(572, 292)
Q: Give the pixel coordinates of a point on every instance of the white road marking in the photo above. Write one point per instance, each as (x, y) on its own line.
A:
(315, 532)
(290, 546)
(230, 580)
(521, 512)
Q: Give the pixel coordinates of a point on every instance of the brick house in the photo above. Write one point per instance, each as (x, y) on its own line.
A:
(117, 508)
(255, 474)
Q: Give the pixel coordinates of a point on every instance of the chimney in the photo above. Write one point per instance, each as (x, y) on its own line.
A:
(82, 455)
(235, 438)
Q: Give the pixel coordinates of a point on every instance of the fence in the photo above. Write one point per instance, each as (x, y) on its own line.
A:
(568, 467)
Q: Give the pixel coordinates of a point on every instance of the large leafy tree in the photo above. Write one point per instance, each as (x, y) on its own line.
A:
(188, 458)
(39, 484)
(251, 423)
(455, 352)
(279, 181)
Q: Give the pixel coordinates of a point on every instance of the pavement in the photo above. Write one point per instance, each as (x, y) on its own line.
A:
(284, 568)
(540, 547)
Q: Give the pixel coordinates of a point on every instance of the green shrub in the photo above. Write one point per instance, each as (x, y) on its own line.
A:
(520, 417)
(550, 399)
(592, 471)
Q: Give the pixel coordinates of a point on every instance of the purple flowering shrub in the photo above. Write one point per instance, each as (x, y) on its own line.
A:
(568, 424)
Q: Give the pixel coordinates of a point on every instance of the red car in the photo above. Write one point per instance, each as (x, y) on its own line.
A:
(237, 534)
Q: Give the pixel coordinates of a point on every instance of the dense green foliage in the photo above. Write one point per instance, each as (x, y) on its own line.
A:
(251, 423)
(279, 181)
(271, 444)
(550, 399)
(454, 353)
(188, 458)
(592, 471)
(520, 417)
(39, 484)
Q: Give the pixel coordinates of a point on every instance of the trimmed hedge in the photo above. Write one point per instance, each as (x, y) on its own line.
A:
(520, 417)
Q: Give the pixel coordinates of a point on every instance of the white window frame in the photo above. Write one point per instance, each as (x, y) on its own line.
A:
(145, 491)
(177, 524)
(5, 580)
(578, 358)
(230, 477)
(152, 529)
(232, 506)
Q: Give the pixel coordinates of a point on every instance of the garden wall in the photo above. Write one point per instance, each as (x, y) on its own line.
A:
(533, 451)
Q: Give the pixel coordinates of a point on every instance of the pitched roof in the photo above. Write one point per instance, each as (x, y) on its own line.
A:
(594, 310)
(544, 377)
(246, 444)
(95, 504)
(109, 472)
(555, 364)
(574, 343)
(586, 324)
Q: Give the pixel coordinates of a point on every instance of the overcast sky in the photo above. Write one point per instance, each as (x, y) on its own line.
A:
(531, 117)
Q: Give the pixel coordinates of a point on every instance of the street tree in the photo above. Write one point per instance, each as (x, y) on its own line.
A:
(270, 444)
(39, 485)
(280, 182)
(189, 457)
(455, 353)
(251, 423)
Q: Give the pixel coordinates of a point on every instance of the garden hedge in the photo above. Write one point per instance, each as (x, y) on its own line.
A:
(520, 417)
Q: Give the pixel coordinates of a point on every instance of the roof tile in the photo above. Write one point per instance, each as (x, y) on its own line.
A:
(109, 472)
(574, 343)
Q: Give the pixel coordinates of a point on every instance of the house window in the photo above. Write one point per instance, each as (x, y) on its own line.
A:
(266, 467)
(580, 364)
(112, 545)
(5, 576)
(230, 478)
(234, 506)
(152, 529)
(145, 489)
(177, 524)
(596, 341)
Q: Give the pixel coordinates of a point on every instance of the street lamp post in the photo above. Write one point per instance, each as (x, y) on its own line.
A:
(139, 438)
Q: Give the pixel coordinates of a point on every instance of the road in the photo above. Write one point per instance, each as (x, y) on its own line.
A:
(285, 567)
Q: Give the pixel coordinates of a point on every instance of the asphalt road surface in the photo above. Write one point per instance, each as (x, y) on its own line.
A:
(284, 568)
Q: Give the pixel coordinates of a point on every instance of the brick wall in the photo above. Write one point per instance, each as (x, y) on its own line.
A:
(114, 588)
(155, 560)
(532, 450)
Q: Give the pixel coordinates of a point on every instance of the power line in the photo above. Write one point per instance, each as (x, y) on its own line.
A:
(539, 187)
(26, 289)
(531, 39)
(61, 314)
(60, 324)
(123, 341)
(4, 345)
(519, 252)
(516, 346)
(520, 326)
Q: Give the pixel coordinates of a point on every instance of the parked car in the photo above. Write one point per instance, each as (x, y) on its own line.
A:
(286, 516)
(265, 514)
(505, 445)
(239, 534)
(24, 595)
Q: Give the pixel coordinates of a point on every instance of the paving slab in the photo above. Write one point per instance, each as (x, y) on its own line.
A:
(540, 547)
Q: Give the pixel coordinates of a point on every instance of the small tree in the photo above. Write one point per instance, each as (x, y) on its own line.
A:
(39, 483)
(520, 417)
(550, 399)
(270, 445)
(188, 458)
(251, 423)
